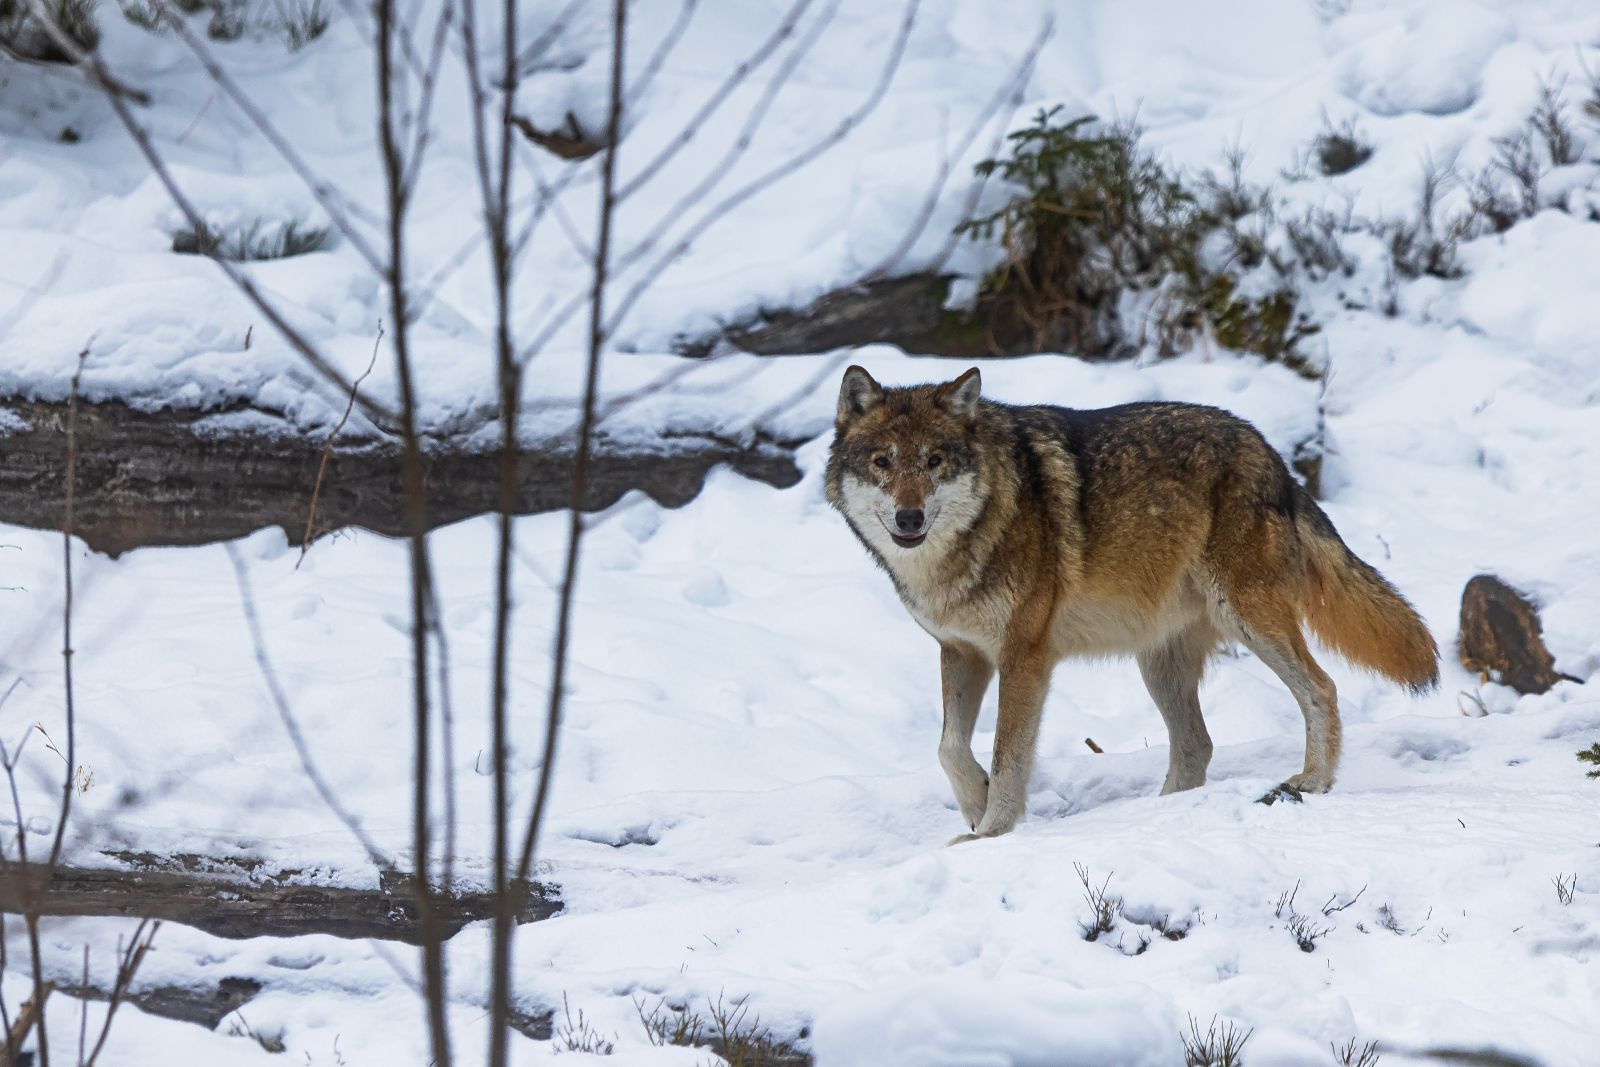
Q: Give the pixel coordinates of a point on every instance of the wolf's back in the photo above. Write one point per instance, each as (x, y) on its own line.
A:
(1355, 611)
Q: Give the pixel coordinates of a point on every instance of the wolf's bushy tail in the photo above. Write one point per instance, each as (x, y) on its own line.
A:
(1355, 611)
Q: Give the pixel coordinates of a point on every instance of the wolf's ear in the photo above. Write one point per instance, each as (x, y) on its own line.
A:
(960, 397)
(858, 394)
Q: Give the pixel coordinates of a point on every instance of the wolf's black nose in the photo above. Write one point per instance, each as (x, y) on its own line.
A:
(908, 520)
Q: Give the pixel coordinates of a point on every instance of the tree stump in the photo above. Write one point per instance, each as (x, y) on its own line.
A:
(1501, 637)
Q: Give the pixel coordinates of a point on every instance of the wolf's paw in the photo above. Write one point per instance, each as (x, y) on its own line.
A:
(1310, 782)
(1281, 792)
(972, 797)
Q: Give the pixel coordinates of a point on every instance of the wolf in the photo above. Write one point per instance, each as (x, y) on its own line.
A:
(1019, 536)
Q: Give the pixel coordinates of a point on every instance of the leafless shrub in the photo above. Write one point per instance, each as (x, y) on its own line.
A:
(725, 1027)
(1591, 103)
(24, 36)
(270, 1041)
(1307, 933)
(670, 1024)
(1218, 1047)
(1340, 149)
(578, 1035)
(1316, 237)
(151, 15)
(1351, 1055)
(740, 1039)
(1103, 907)
(1391, 922)
(1549, 121)
(252, 241)
(1389, 304)
(1330, 907)
(1162, 925)
(300, 22)
(228, 20)
(1302, 928)
(1285, 904)
(1425, 243)
(1565, 888)
(1516, 158)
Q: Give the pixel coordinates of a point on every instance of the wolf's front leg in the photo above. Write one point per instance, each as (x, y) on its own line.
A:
(1023, 682)
(964, 674)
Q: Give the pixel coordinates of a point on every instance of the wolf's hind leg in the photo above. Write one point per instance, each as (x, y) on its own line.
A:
(964, 674)
(1271, 629)
(1172, 673)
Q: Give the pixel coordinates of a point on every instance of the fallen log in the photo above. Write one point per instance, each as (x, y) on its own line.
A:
(207, 1004)
(171, 477)
(202, 1003)
(228, 901)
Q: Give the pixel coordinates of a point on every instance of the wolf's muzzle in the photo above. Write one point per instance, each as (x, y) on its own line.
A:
(909, 527)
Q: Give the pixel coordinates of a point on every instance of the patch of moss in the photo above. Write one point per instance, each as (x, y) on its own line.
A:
(1269, 326)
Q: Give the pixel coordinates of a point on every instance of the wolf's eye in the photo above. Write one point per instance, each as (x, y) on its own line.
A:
(934, 461)
(881, 462)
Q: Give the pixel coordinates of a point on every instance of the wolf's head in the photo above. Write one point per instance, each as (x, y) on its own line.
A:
(904, 465)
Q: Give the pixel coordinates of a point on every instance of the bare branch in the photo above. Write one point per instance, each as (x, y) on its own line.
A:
(789, 166)
(129, 960)
(1010, 91)
(695, 228)
(718, 97)
(580, 469)
(430, 83)
(65, 812)
(327, 449)
(37, 288)
(394, 171)
(280, 702)
(658, 58)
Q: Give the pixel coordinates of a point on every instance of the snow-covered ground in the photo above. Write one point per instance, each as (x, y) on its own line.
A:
(747, 800)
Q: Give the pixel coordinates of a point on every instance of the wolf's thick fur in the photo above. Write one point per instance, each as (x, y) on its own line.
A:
(1021, 536)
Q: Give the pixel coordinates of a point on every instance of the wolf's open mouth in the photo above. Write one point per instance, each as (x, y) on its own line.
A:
(909, 542)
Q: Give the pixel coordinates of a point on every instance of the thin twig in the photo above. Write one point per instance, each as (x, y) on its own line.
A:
(714, 174)
(280, 702)
(67, 526)
(397, 204)
(748, 66)
(327, 448)
(5, 1010)
(1010, 91)
(497, 217)
(36, 289)
(430, 83)
(580, 466)
(1329, 908)
(794, 163)
(128, 962)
